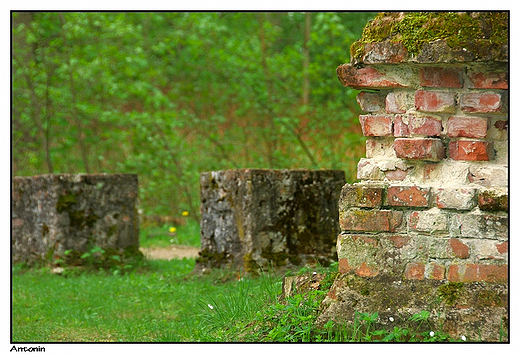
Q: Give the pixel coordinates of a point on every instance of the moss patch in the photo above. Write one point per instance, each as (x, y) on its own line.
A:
(212, 259)
(413, 29)
(279, 258)
(250, 265)
(65, 202)
(450, 292)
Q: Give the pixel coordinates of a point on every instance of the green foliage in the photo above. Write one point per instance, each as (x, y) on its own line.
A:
(169, 95)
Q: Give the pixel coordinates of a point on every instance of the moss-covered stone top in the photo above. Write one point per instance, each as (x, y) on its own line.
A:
(429, 37)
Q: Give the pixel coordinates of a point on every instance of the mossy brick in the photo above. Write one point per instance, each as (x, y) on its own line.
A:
(376, 125)
(414, 271)
(429, 149)
(408, 196)
(467, 127)
(371, 101)
(358, 253)
(435, 101)
(373, 220)
(481, 102)
(435, 271)
(455, 198)
(366, 77)
(440, 76)
(360, 196)
(482, 78)
(478, 225)
(492, 273)
(471, 150)
(431, 221)
(492, 200)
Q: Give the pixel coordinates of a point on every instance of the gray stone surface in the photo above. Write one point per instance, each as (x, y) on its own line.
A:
(251, 217)
(55, 213)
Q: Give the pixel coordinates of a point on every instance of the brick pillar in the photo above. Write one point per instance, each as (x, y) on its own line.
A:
(432, 200)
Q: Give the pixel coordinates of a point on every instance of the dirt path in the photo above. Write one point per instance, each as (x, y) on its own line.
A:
(172, 252)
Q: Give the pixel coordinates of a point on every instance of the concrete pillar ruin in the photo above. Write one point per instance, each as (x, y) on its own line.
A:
(254, 218)
(52, 214)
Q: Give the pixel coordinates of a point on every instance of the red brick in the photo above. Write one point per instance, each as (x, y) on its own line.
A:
(371, 101)
(486, 102)
(370, 220)
(502, 247)
(399, 241)
(489, 200)
(396, 102)
(440, 77)
(343, 266)
(365, 239)
(414, 271)
(493, 273)
(366, 271)
(410, 196)
(435, 101)
(376, 125)
(468, 127)
(437, 271)
(360, 196)
(365, 77)
(419, 149)
(460, 249)
(477, 272)
(400, 126)
(471, 150)
(413, 125)
(397, 174)
(487, 80)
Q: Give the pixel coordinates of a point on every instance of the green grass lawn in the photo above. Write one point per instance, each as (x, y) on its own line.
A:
(162, 303)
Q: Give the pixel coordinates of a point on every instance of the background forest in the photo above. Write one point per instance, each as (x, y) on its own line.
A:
(170, 95)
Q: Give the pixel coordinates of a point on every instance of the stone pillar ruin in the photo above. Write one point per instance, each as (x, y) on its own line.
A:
(254, 217)
(52, 214)
(426, 226)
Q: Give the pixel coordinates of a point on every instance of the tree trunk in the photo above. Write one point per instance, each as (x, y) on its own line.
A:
(306, 59)
(74, 111)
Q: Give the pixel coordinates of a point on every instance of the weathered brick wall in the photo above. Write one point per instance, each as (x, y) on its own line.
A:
(433, 191)
(55, 213)
(431, 205)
